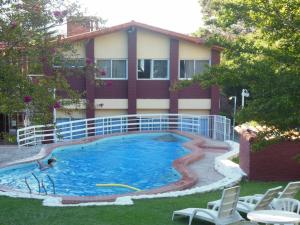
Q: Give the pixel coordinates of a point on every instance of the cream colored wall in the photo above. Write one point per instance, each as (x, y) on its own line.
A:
(188, 50)
(151, 45)
(152, 103)
(111, 103)
(112, 46)
(194, 103)
(152, 111)
(76, 114)
(194, 111)
(110, 112)
(78, 51)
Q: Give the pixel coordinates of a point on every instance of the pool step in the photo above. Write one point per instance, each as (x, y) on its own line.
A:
(40, 184)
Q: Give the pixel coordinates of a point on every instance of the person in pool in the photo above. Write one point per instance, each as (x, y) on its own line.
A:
(50, 164)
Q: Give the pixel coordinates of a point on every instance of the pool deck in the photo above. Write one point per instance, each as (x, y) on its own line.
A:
(10, 153)
(197, 168)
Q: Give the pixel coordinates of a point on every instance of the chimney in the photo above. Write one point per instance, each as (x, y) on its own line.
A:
(75, 27)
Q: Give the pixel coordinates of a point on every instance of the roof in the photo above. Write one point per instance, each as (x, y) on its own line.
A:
(124, 26)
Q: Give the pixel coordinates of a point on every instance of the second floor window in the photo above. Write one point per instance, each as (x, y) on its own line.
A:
(189, 68)
(112, 69)
(153, 69)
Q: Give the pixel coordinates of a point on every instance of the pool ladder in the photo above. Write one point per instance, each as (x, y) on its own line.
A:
(40, 184)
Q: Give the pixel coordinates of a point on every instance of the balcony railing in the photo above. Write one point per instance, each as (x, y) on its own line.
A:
(211, 126)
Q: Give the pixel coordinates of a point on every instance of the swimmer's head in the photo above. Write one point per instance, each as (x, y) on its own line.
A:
(51, 161)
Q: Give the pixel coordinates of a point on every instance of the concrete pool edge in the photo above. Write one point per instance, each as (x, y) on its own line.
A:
(175, 189)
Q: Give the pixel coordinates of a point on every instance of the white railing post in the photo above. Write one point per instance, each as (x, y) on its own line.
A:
(160, 121)
(224, 121)
(54, 133)
(199, 123)
(18, 139)
(86, 127)
(214, 127)
(34, 136)
(71, 130)
(140, 123)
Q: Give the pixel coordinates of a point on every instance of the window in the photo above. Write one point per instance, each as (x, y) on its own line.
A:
(69, 62)
(188, 68)
(112, 69)
(144, 68)
(152, 69)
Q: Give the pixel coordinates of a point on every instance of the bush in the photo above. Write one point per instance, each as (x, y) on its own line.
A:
(9, 138)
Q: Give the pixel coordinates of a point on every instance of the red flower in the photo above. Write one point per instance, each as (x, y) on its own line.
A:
(57, 13)
(64, 13)
(108, 83)
(13, 24)
(43, 59)
(89, 61)
(27, 99)
(53, 51)
(102, 72)
(57, 105)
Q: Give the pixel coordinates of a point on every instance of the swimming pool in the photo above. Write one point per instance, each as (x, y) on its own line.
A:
(143, 161)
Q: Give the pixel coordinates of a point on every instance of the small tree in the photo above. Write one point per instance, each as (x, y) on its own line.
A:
(261, 41)
(29, 44)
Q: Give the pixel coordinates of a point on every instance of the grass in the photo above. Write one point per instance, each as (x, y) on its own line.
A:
(236, 160)
(16, 211)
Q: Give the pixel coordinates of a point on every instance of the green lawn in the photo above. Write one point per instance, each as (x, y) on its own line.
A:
(15, 211)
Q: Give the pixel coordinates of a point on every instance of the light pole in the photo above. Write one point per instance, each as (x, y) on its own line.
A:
(234, 112)
(246, 94)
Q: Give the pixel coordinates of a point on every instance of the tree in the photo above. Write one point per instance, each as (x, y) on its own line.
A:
(261, 40)
(30, 44)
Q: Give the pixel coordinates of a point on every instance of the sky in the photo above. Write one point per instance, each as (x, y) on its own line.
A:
(182, 16)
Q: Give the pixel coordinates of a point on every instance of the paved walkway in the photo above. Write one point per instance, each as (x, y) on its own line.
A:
(205, 170)
(9, 153)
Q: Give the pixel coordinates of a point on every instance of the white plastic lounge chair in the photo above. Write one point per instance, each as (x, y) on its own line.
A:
(250, 203)
(224, 214)
(287, 204)
(289, 191)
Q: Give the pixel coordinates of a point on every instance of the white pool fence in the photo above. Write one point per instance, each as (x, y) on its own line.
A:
(211, 126)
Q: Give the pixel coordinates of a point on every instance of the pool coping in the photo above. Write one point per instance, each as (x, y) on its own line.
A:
(188, 179)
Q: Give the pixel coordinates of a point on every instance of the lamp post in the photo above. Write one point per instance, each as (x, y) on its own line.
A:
(246, 94)
(234, 112)
(27, 99)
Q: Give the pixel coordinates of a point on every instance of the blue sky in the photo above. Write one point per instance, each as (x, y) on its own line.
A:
(177, 15)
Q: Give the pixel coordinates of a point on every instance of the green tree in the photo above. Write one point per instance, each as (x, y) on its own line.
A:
(261, 40)
(30, 44)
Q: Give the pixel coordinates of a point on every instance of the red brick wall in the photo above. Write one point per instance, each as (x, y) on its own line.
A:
(132, 65)
(215, 91)
(90, 81)
(174, 60)
(274, 163)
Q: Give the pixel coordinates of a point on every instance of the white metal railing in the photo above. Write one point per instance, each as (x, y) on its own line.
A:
(213, 126)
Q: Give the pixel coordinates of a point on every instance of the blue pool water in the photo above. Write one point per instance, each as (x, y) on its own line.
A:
(143, 161)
